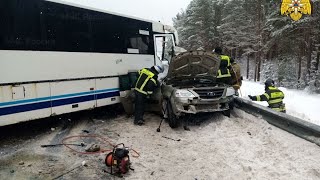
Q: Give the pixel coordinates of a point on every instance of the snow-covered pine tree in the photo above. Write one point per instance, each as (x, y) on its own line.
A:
(195, 25)
(256, 30)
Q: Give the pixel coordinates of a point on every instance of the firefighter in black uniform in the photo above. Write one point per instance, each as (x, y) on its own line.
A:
(224, 75)
(273, 96)
(145, 86)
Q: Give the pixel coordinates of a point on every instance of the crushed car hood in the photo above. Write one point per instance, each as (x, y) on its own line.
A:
(192, 65)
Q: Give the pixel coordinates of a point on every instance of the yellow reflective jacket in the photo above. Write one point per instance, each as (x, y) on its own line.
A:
(147, 81)
(224, 67)
(274, 97)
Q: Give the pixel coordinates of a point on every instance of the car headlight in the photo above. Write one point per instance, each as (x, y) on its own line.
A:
(230, 91)
(184, 94)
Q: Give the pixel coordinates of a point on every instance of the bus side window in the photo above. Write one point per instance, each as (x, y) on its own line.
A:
(20, 30)
(49, 26)
(140, 43)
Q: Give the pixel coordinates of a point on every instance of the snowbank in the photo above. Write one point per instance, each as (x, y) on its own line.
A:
(301, 104)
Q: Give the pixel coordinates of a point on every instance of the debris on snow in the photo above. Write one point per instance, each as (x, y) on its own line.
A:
(92, 148)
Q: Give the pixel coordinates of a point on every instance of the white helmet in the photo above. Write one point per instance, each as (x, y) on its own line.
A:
(159, 68)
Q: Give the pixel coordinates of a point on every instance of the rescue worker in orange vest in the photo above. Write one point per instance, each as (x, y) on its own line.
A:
(273, 96)
(145, 86)
(224, 75)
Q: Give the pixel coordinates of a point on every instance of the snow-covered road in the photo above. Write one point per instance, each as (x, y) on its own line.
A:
(301, 104)
(241, 147)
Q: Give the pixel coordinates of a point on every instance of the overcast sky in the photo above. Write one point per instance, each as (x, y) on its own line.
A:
(156, 10)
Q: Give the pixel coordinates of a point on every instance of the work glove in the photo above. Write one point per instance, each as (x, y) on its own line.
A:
(251, 97)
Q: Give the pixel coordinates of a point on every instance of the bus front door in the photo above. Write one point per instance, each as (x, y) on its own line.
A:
(164, 48)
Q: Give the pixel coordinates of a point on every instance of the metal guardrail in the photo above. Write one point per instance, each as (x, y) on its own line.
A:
(296, 126)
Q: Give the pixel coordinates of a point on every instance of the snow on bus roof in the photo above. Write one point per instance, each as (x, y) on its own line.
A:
(100, 10)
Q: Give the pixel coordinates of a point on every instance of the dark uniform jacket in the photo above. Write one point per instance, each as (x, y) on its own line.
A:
(274, 97)
(147, 81)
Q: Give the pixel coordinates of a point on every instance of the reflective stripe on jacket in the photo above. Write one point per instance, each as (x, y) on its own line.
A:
(224, 67)
(274, 97)
(146, 82)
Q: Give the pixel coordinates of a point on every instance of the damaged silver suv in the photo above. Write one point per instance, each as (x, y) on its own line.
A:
(191, 87)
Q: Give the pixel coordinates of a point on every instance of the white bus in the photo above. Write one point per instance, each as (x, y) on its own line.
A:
(58, 57)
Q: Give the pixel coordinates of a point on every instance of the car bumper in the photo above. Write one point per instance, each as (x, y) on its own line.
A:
(202, 106)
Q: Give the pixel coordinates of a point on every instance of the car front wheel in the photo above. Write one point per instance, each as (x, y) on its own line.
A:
(227, 113)
(172, 118)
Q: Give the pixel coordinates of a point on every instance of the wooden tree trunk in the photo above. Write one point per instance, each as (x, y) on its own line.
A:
(237, 53)
(318, 58)
(255, 67)
(318, 52)
(259, 32)
(270, 55)
(300, 55)
(233, 53)
(248, 66)
(309, 52)
(259, 66)
(300, 65)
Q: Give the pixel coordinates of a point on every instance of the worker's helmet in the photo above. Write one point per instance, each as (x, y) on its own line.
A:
(269, 82)
(217, 50)
(159, 68)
